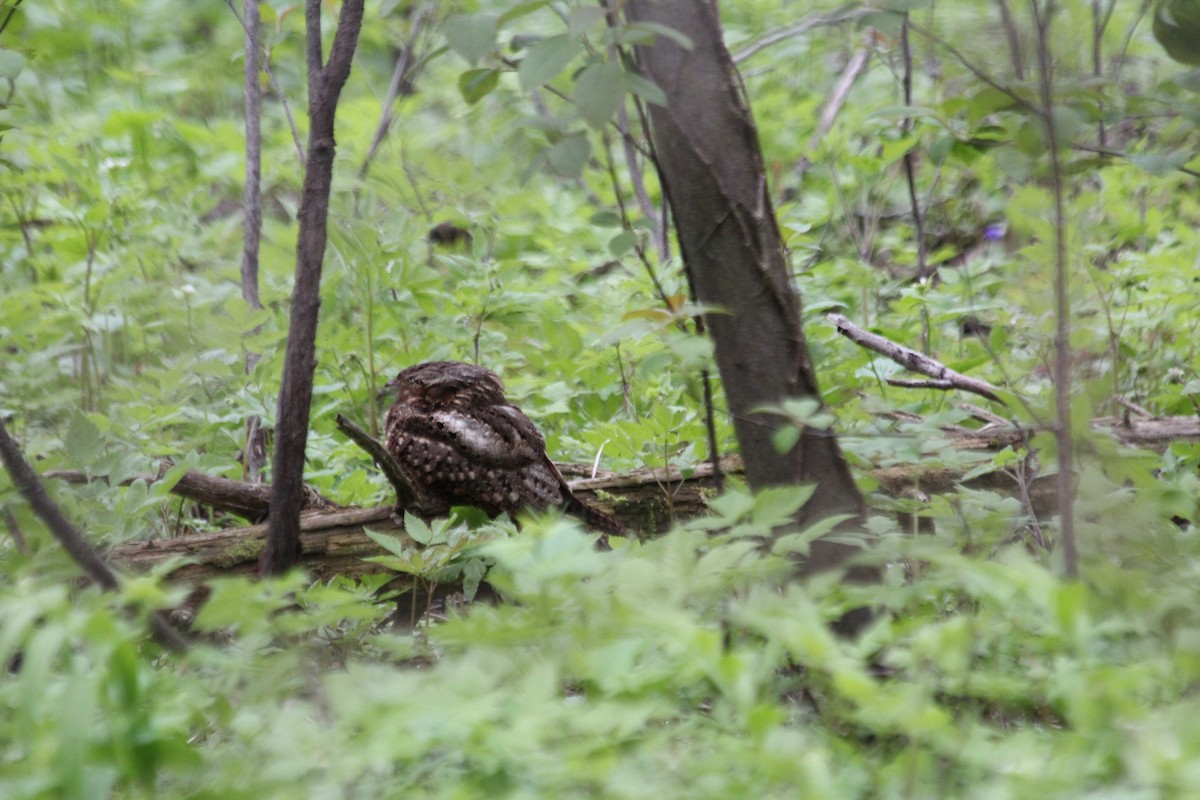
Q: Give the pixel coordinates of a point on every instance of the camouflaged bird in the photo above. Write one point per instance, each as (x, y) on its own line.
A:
(461, 443)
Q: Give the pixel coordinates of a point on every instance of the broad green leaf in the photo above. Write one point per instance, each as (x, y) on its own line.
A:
(1160, 163)
(599, 91)
(475, 84)
(645, 89)
(647, 32)
(581, 19)
(83, 440)
(520, 10)
(11, 62)
(388, 542)
(568, 155)
(785, 438)
(547, 59)
(777, 504)
(418, 530)
(471, 36)
(622, 243)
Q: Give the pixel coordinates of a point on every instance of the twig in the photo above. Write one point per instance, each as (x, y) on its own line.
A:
(404, 63)
(798, 29)
(252, 201)
(246, 499)
(90, 561)
(1062, 300)
(8, 17)
(287, 109)
(975, 70)
(1109, 151)
(1014, 39)
(983, 415)
(855, 67)
(14, 530)
(944, 377)
(910, 176)
(1134, 407)
(407, 496)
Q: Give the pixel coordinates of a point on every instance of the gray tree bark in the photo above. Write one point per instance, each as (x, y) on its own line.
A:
(295, 393)
(711, 168)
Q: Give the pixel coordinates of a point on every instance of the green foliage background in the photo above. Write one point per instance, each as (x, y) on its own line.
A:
(683, 665)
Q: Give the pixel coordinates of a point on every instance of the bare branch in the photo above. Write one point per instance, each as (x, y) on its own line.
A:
(404, 66)
(249, 500)
(252, 202)
(944, 377)
(406, 495)
(799, 29)
(855, 67)
(90, 561)
(1062, 300)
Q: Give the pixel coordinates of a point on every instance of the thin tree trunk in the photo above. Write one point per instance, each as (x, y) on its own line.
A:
(252, 202)
(712, 170)
(295, 395)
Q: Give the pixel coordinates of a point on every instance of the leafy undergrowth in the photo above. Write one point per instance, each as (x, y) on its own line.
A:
(689, 665)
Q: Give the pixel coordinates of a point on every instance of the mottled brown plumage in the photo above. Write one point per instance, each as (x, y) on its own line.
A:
(461, 443)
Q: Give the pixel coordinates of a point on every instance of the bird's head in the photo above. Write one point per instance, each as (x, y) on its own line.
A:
(436, 382)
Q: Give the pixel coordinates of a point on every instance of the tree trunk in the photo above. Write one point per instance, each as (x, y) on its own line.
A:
(712, 171)
(295, 392)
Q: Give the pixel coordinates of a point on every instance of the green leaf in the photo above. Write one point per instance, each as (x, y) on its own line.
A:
(471, 36)
(622, 243)
(520, 10)
(647, 32)
(599, 91)
(1177, 29)
(1160, 163)
(785, 438)
(568, 155)
(581, 19)
(779, 504)
(475, 84)
(392, 544)
(83, 440)
(473, 572)
(11, 63)
(646, 89)
(418, 530)
(605, 219)
(546, 59)
(800, 542)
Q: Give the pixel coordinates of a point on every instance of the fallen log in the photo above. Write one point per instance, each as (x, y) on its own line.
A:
(647, 501)
(334, 542)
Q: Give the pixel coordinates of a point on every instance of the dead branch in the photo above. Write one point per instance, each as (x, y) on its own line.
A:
(944, 377)
(333, 542)
(70, 537)
(401, 75)
(249, 500)
(854, 68)
(406, 495)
